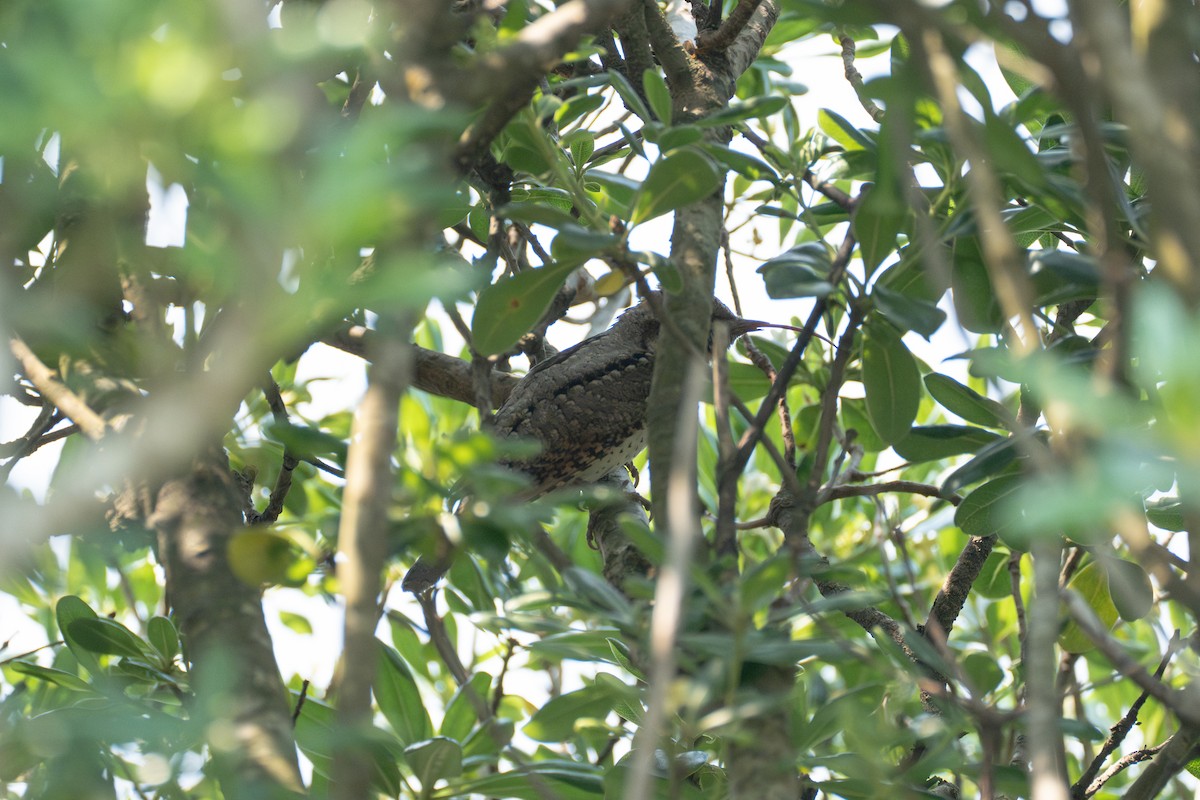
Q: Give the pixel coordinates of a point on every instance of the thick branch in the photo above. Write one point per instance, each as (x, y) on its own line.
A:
(196, 516)
(724, 36)
(362, 538)
(433, 372)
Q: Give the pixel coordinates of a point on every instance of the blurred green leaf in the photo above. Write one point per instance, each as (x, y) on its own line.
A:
(557, 720)
(1130, 589)
(434, 760)
(1091, 583)
(751, 108)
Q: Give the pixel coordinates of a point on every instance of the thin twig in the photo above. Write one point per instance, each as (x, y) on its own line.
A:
(792, 362)
(1083, 787)
(1177, 700)
(849, 48)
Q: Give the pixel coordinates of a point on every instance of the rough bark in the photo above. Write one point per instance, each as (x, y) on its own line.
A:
(196, 515)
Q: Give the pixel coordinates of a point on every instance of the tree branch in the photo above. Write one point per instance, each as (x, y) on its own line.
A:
(730, 29)
(507, 77)
(54, 391)
(433, 372)
(362, 540)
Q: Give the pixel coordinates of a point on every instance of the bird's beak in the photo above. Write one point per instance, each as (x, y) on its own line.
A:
(739, 327)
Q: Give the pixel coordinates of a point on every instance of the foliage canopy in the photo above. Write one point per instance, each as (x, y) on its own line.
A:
(864, 572)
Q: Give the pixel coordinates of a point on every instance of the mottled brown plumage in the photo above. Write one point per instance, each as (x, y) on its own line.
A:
(586, 407)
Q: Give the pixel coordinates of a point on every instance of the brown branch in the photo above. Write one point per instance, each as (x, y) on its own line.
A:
(1086, 786)
(34, 438)
(675, 60)
(1182, 702)
(1122, 764)
(362, 541)
(434, 372)
(283, 482)
(758, 426)
(197, 514)
(953, 595)
(829, 397)
(440, 637)
(843, 491)
(1175, 754)
(855, 78)
(726, 35)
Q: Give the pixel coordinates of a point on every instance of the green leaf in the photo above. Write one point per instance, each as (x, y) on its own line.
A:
(855, 418)
(892, 382)
(399, 698)
(1006, 149)
(57, 677)
(296, 622)
(676, 180)
(305, 441)
(678, 137)
(751, 108)
(877, 221)
(434, 760)
(983, 671)
(103, 635)
(981, 512)
(1166, 513)
(800, 272)
(742, 163)
(460, 714)
(557, 720)
(991, 460)
(935, 442)
(657, 94)
(613, 194)
(908, 312)
(632, 101)
(558, 779)
(260, 557)
(538, 212)
(575, 107)
(1059, 276)
(595, 592)
(509, 308)
(67, 611)
(163, 637)
(1091, 583)
(838, 128)
(974, 301)
(1130, 589)
(582, 144)
(965, 401)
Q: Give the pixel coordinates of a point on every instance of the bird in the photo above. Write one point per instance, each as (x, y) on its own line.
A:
(585, 407)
